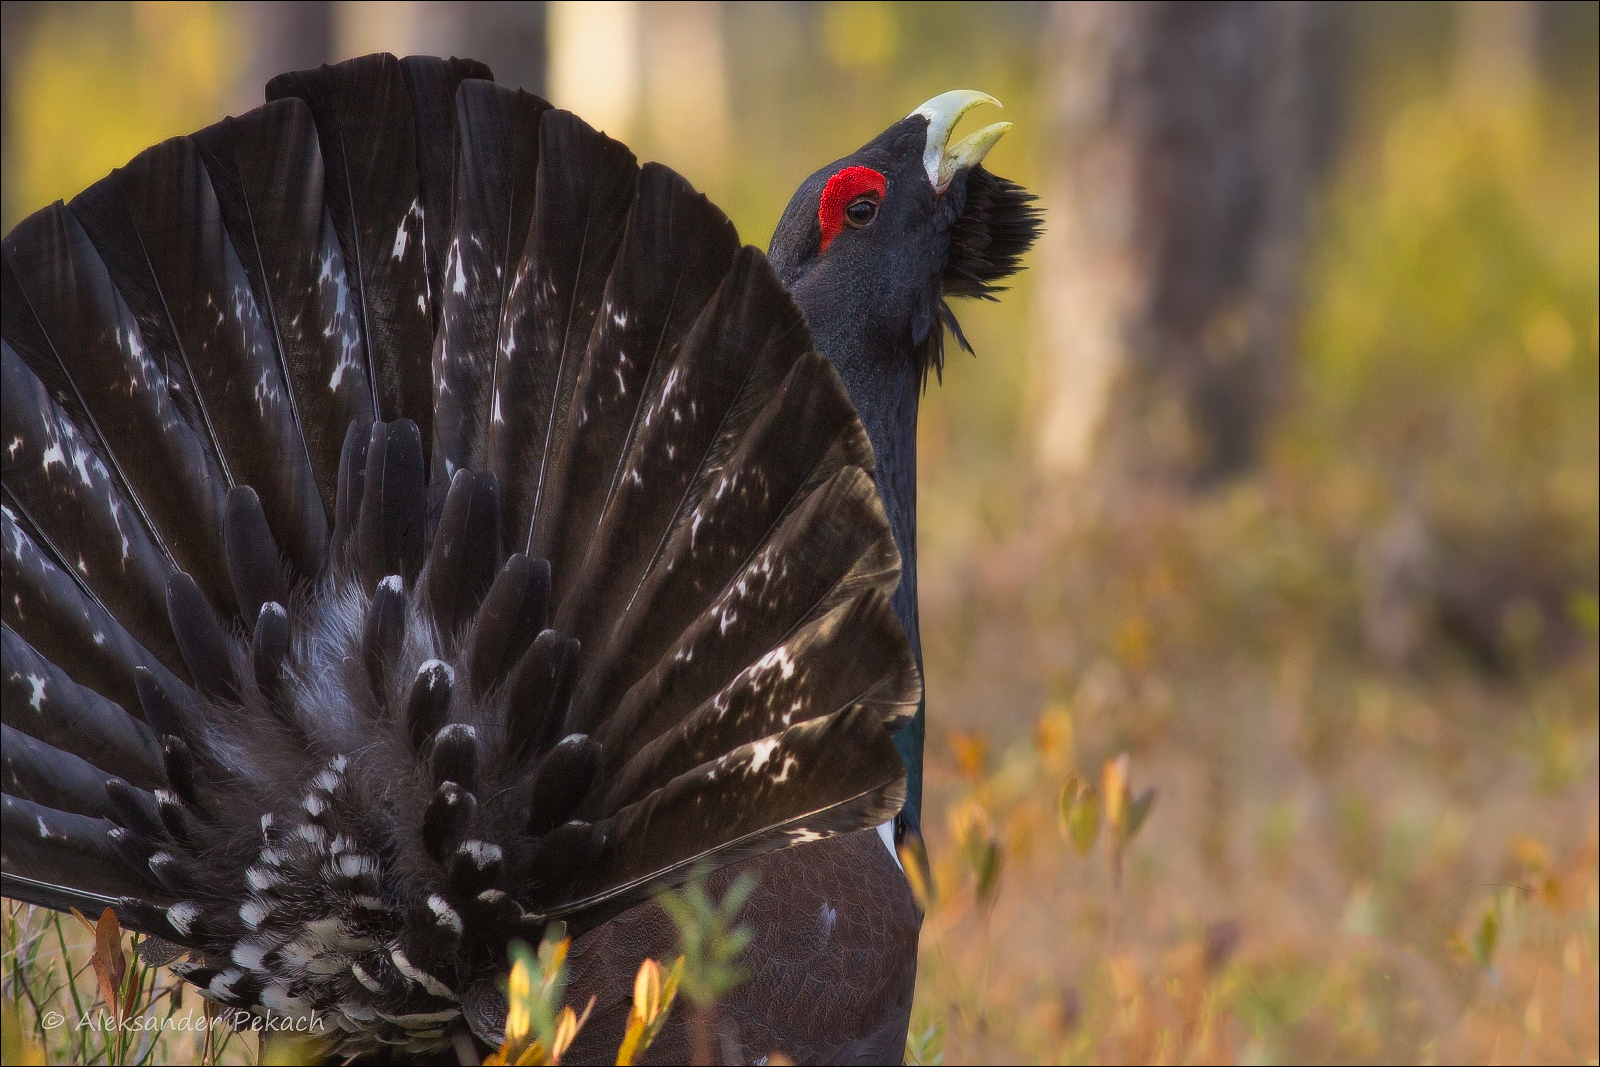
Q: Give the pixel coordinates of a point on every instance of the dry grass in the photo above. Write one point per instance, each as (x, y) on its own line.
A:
(1328, 850)
(1363, 680)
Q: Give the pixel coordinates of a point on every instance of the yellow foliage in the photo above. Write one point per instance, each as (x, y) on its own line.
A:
(100, 83)
(652, 1000)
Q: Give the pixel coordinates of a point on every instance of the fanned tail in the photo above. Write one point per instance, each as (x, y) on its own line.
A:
(421, 522)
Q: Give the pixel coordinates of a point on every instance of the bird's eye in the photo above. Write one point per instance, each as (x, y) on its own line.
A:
(851, 199)
(861, 212)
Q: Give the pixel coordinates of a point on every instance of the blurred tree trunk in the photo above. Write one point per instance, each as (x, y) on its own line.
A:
(508, 36)
(1497, 45)
(685, 105)
(282, 35)
(1187, 140)
(654, 75)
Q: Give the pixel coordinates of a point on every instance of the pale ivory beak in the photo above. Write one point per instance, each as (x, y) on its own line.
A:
(942, 160)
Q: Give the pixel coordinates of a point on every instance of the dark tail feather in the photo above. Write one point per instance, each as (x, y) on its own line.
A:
(34, 771)
(432, 85)
(41, 701)
(786, 584)
(810, 782)
(390, 533)
(850, 659)
(58, 482)
(54, 850)
(742, 346)
(126, 381)
(494, 186)
(675, 252)
(266, 170)
(366, 127)
(68, 626)
(582, 193)
(209, 316)
(467, 557)
(806, 434)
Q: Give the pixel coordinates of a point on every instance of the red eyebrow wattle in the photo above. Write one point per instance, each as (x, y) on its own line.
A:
(841, 189)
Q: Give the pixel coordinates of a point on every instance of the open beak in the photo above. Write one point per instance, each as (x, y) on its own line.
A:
(943, 160)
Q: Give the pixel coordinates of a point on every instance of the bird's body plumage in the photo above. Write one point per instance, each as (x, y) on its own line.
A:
(423, 523)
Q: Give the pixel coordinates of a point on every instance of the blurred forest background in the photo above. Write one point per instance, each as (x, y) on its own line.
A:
(1276, 473)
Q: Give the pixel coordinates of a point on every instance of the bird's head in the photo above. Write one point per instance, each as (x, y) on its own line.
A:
(873, 244)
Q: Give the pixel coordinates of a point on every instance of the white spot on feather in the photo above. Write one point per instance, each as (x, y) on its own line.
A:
(482, 853)
(762, 751)
(253, 913)
(437, 670)
(251, 955)
(181, 916)
(359, 1012)
(458, 275)
(222, 984)
(36, 701)
(443, 913)
(259, 878)
(419, 976)
(356, 864)
(780, 658)
(360, 972)
(277, 998)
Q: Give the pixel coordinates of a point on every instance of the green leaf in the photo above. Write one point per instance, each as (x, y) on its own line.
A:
(1487, 937)
(1584, 608)
(927, 1048)
(710, 940)
(1079, 815)
(1137, 809)
(987, 869)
